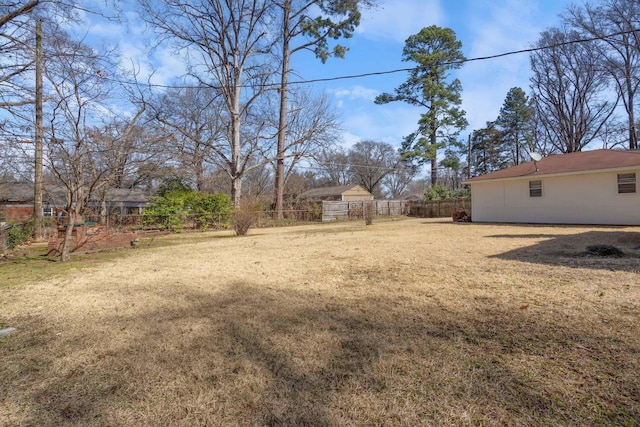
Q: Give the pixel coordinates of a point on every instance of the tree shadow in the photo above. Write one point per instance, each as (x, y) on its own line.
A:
(251, 355)
(571, 250)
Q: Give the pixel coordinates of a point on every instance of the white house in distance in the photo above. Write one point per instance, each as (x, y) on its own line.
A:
(590, 187)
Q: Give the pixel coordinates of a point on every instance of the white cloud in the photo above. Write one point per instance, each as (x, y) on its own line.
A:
(162, 67)
(386, 123)
(494, 28)
(396, 20)
(356, 92)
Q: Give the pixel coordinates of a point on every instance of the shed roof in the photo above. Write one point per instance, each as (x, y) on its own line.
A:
(328, 191)
(130, 195)
(571, 163)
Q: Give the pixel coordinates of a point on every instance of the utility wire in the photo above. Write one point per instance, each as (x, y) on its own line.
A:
(398, 70)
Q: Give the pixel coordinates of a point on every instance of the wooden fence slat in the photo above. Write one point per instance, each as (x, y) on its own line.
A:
(337, 210)
(438, 208)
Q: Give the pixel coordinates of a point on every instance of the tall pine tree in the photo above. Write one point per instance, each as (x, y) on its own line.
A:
(437, 52)
(514, 121)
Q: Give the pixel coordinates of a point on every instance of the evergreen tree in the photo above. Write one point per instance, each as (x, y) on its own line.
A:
(488, 152)
(514, 121)
(437, 52)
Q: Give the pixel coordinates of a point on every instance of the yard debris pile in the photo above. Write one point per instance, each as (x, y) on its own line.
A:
(604, 250)
(461, 216)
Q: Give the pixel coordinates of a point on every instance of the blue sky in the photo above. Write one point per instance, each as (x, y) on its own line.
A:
(484, 27)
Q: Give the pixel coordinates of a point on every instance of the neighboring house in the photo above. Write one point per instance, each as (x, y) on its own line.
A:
(124, 201)
(590, 187)
(345, 193)
(16, 201)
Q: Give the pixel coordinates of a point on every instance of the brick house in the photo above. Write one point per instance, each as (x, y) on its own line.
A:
(16, 201)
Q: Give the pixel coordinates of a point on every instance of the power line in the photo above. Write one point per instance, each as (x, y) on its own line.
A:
(398, 70)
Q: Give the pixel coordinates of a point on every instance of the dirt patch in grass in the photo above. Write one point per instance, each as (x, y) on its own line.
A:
(400, 323)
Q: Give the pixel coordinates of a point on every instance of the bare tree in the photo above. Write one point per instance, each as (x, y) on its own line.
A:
(397, 182)
(259, 184)
(78, 94)
(569, 87)
(16, 50)
(221, 40)
(333, 167)
(129, 152)
(370, 162)
(615, 23)
(312, 128)
(196, 132)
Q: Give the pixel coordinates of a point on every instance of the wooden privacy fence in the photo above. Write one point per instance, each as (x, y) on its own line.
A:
(332, 211)
(438, 208)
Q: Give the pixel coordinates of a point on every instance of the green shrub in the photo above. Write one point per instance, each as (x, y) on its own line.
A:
(171, 210)
(17, 234)
(208, 209)
(167, 211)
(440, 192)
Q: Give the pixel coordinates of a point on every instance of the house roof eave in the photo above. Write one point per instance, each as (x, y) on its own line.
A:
(551, 175)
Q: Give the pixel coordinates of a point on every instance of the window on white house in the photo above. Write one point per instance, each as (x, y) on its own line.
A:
(535, 188)
(626, 183)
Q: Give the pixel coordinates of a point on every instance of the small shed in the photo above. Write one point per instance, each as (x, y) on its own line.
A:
(343, 193)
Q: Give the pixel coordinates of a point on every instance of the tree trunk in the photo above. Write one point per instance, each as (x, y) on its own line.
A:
(633, 138)
(103, 211)
(434, 160)
(236, 191)
(37, 179)
(68, 237)
(282, 123)
(236, 148)
(199, 170)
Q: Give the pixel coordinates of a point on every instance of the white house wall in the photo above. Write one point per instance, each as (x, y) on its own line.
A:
(570, 199)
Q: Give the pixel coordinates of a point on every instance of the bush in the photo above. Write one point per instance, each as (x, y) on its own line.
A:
(242, 221)
(208, 209)
(368, 213)
(174, 207)
(166, 211)
(440, 192)
(17, 234)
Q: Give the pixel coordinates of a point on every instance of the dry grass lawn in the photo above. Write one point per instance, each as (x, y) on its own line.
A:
(407, 322)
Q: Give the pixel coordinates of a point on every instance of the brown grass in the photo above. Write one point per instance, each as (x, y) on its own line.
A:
(412, 322)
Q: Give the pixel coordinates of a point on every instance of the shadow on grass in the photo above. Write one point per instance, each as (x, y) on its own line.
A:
(257, 356)
(570, 250)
